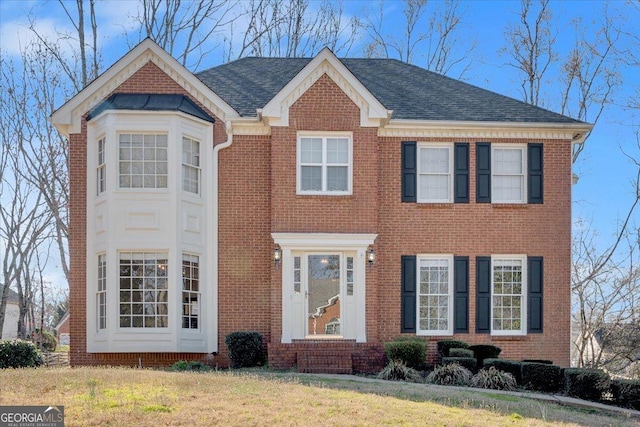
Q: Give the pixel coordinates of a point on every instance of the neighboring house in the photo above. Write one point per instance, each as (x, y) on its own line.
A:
(11, 315)
(183, 184)
(63, 330)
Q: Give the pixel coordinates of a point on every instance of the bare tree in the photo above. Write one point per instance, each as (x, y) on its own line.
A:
(298, 28)
(185, 29)
(429, 33)
(531, 45)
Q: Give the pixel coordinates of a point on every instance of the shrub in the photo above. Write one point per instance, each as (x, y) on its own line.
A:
(468, 362)
(44, 340)
(451, 374)
(445, 345)
(411, 351)
(511, 366)
(544, 361)
(588, 384)
(494, 379)
(460, 352)
(19, 354)
(396, 370)
(485, 351)
(193, 365)
(541, 377)
(245, 349)
(626, 393)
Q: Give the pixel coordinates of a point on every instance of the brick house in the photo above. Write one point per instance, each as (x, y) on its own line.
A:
(329, 204)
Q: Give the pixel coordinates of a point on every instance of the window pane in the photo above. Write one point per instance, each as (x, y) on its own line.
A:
(148, 272)
(507, 160)
(311, 178)
(435, 187)
(337, 178)
(434, 289)
(434, 160)
(337, 150)
(508, 188)
(311, 150)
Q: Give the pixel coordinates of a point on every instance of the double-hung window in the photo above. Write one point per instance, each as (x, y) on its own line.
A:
(190, 291)
(508, 173)
(435, 295)
(324, 165)
(508, 293)
(101, 296)
(435, 180)
(143, 160)
(190, 165)
(101, 182)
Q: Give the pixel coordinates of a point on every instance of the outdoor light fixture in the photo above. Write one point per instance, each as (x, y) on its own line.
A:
(371, 256)
(277, 256)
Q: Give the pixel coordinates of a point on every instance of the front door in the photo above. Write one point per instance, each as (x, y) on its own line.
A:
(323, 293)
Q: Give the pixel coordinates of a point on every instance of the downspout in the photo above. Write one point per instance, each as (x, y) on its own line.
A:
(215, 247)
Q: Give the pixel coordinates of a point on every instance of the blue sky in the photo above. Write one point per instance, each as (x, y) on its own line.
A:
(603, 192)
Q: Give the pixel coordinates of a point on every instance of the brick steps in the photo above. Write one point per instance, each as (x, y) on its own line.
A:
(325, 361)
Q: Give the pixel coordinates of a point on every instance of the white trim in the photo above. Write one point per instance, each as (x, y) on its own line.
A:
(450, 308)
(525, 302)
(372, 112)
(313, 241)
(450, 174)
(68, 118)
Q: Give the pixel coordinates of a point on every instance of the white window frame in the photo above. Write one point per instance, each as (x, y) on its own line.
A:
(496, 261)
(436, 332)
(191, 162)
(422, 198)
(324, 165)
(101, 294)
(522, 175)
(101, 169)
(143, 174)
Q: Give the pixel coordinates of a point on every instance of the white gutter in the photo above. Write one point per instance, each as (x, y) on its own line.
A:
(216, 245)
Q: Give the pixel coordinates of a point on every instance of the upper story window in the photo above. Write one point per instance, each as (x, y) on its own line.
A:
(508, 173)
(101, 183)
(324, 165)
(435, 178)
(190, 165)
(143, 160)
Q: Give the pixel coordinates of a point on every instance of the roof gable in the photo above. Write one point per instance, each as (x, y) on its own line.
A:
(371, 110)
(68, 117)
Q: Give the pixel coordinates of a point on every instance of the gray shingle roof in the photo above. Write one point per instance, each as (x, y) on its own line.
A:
(412, 92)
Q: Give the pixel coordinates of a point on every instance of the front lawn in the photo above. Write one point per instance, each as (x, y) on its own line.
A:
(119, 396)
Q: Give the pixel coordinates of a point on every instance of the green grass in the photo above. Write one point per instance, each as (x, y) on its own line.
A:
(119, 396)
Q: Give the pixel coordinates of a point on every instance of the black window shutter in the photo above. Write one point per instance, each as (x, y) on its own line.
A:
(461, 294)
(535, 183)
(461, 170)
(483, 295)
(483, 172)
(409, 171)
(408, 283)
(535, 274)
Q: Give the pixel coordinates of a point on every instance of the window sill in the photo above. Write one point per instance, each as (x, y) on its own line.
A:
(509, 337)
(509, 205)
(440, 205)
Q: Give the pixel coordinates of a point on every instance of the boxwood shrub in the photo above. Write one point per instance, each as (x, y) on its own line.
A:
(541, 377)
(460, 352)
(511, 366)
(485, 351)
(445, 345)
(589, 384)
(626, 393)
(193, 365)
(468, 362)
(245, 349)
(412, 351)
(19, 354)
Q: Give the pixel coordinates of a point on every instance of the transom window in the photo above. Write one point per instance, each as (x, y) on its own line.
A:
(190, 291)
(143, 290)
(435, 164)
(507, 296)
(101, 297)
(324, 165)
(101, 169)
(190, 165)
(435, 285)
(143, 160)
(508, 174)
